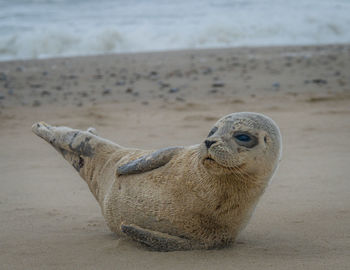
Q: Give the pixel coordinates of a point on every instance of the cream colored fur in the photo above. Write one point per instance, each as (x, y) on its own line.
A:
(201, 198)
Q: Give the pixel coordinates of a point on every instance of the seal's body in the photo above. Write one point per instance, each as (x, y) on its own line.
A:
(181, 197)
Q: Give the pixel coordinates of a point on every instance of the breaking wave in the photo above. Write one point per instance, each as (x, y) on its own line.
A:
(53, 28)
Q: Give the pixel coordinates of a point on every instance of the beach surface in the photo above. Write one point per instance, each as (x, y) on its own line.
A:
(49, 219)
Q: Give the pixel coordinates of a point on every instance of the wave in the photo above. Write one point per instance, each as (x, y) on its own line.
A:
(251, 23)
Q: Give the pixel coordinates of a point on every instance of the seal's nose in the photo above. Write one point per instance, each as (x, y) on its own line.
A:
(209, 143)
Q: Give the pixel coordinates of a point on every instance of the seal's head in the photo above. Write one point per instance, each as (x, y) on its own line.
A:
(244, 143)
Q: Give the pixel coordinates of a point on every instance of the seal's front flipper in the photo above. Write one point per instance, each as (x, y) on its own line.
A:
(149, 162)
(157, 241)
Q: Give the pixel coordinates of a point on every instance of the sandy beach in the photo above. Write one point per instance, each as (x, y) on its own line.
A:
(49, 219)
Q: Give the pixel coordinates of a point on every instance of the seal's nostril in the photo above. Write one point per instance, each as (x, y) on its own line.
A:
(209, 143)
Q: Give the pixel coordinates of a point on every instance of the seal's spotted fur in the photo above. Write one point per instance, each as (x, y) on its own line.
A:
(178, 198)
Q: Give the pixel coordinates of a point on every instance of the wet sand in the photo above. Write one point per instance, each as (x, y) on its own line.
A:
(49, 219)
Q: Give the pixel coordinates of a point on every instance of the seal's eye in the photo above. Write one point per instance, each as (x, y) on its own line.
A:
(243, 138)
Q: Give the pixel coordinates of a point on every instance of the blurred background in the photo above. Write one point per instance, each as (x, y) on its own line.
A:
(53, 28)
(50, 220)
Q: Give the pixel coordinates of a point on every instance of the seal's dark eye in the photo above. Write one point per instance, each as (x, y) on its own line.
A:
(243, 138)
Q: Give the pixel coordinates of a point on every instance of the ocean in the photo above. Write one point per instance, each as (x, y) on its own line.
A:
(53, 28)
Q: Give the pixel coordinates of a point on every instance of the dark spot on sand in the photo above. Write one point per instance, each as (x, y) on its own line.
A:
(120, 83)
(3, 77)
(276, 86)
(174, 90)
(35, 85)
(207, 71)
(45, 93)
(36, 103)
(106, 91)
(98, 77)
(218, 84)
(319, 81)
(163, 84)
(180, 99)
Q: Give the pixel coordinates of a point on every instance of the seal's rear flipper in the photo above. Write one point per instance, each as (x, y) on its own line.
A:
(74, 145)
(157, 241)
(63, 139)
(149, 162)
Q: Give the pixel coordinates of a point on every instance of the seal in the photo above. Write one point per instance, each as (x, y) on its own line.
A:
(177, 198)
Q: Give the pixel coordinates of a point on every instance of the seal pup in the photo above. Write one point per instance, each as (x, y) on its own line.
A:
(177, 198)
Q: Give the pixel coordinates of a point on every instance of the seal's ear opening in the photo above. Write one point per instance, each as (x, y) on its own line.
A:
(149, 162)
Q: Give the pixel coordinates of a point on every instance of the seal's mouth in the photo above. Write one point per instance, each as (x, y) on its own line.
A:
(212, 162)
